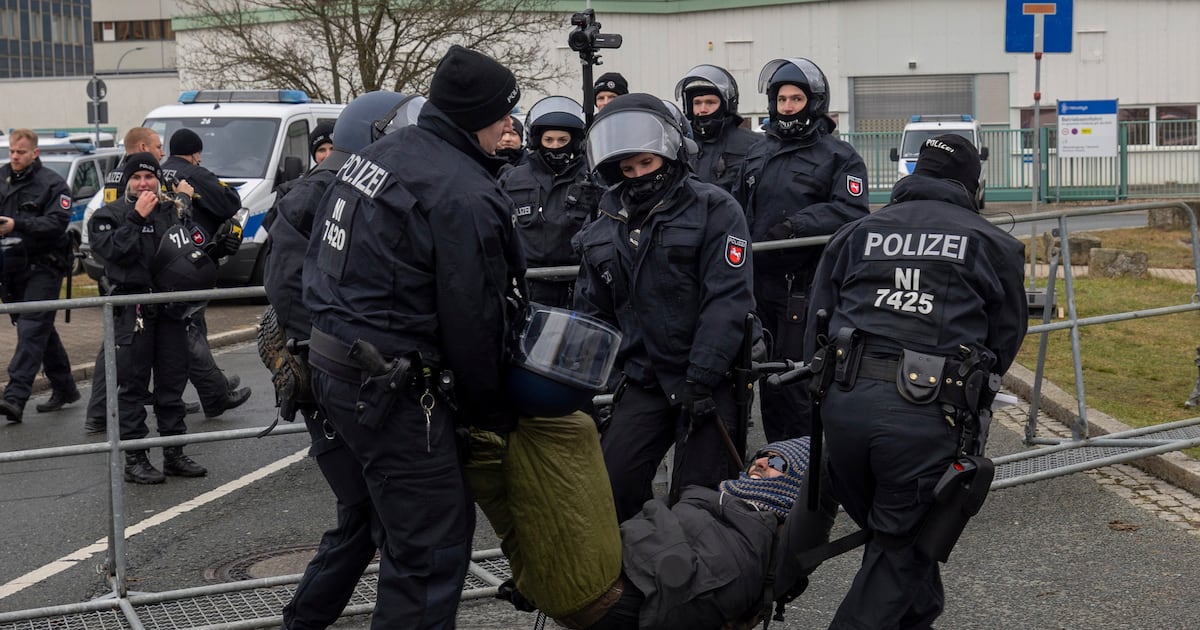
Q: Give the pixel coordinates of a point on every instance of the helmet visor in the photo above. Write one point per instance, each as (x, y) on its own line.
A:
(705, 73)
(629, 132)
(402, 115)
(562, 106)
(810, 71)
(567, 347)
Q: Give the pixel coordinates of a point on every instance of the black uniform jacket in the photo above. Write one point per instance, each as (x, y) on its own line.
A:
(289, 225)
(817, 184)
(542, 215)
(681, 297)
(926, 273)
(413, 249)
(212, 202)
(720, 159)
(40, 202)
(699, 563)
(126, 242)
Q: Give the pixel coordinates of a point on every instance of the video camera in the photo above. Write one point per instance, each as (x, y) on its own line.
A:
(586, 38)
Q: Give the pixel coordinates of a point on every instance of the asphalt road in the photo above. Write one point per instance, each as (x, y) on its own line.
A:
(1046, 555)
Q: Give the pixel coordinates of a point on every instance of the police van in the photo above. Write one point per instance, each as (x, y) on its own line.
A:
(923, 127)
(254, 140)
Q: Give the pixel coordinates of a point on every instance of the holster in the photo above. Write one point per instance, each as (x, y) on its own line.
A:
(378, 393)
(848, 348)
(958, 496)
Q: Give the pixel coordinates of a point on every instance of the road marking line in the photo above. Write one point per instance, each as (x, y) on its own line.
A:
(101, 546)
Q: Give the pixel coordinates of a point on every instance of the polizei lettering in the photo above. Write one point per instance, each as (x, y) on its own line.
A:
(929, 245)
(363, 174)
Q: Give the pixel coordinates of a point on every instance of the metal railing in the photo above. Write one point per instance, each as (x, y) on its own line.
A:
(488, 567)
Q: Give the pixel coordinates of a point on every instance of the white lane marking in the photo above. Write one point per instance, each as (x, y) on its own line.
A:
(101, 546)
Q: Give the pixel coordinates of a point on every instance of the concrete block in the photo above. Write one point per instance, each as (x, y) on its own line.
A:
(1118, 263)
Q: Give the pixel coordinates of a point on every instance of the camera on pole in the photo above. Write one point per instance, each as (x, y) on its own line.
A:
(586, 39)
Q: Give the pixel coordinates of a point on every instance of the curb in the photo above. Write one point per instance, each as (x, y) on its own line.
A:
(1174, 467)
(83, 372)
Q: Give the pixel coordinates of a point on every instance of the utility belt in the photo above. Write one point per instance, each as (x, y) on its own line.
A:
(380, 380)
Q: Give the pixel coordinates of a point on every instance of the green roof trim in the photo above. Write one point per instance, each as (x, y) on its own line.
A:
(661, 7)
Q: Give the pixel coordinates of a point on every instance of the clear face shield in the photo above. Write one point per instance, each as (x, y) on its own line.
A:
(812, 74)
(557, 107)
(629, 132)
(713, 75)
(566, 347)
(405, 113)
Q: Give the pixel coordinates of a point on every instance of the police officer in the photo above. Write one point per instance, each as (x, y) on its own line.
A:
(214, 205)
(144, 241)
(345, 551)
(709, 95)
(35, 208)
(797, 181)
(610, 85)
(512, 144)
(935, 294)
(666, 261)
(552, 197)
(412, 267)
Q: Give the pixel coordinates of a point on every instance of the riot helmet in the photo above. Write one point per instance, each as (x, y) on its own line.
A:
(805, 75)
(632, 124)
(556, 113)
(708, 79)
(560, 359)
(372, 116)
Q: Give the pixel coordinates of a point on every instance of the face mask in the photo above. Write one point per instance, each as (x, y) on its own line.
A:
(558, 159)
(793, 125)
(708, 127)
(512, 156)
(645, 187)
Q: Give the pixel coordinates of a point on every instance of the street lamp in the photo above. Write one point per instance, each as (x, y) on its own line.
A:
(122, 57)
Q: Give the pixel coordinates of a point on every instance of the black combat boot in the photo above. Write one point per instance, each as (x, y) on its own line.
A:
(138, 469)
(176, 464)
(58, 400)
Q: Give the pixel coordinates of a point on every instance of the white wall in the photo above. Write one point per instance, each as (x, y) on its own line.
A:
(47, 103)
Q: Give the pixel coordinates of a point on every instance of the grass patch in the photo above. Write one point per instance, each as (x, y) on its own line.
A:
(1139, 371)
(1167, 249)
(82, 286)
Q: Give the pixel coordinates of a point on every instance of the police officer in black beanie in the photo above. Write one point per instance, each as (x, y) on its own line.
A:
(320, 142)
(213, 206)
(958, 297)
(610, 85)
(512, 144)
(419, 263)
(143, 239)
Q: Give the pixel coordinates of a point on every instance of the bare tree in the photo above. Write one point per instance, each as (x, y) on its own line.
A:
(337, 49)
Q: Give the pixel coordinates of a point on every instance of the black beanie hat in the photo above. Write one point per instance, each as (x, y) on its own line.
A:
(186, 142)
(611, 82)
(144, 161)
(321, 134)
(473, 89)
(518, 128)
(950, 156)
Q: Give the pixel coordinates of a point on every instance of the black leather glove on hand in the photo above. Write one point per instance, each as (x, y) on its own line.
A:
(227, 239)
(700, 403)
(779, 231)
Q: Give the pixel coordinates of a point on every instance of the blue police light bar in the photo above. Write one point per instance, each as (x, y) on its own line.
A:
(189, 97)
(940, 117)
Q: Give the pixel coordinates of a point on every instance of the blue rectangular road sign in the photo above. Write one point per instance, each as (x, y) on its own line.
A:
(1021, 20)
(1087, 108)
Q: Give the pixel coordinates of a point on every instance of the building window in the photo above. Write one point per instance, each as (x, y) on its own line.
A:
(132, 30)
(1136, 121)
(1175, 125)
(1048, 117)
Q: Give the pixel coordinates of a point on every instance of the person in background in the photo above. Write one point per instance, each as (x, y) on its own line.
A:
(35, 209)
(709, 95)
(798, 180)
(512, 144)
(610, 85)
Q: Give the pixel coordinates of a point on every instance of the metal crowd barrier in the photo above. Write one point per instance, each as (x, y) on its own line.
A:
(257, 603)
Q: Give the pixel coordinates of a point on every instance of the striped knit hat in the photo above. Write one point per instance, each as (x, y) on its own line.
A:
(777, 494)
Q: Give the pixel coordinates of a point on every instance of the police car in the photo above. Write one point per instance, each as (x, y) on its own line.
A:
(254, 140)
(83, 166)
(922, 127)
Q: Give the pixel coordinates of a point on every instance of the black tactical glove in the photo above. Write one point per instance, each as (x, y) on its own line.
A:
(699, 402)
(508, 592)
(584, 196)
(227, 240)
(779, 231)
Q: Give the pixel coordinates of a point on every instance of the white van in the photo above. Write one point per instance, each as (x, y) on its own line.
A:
(254, 140)
(925, 126)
